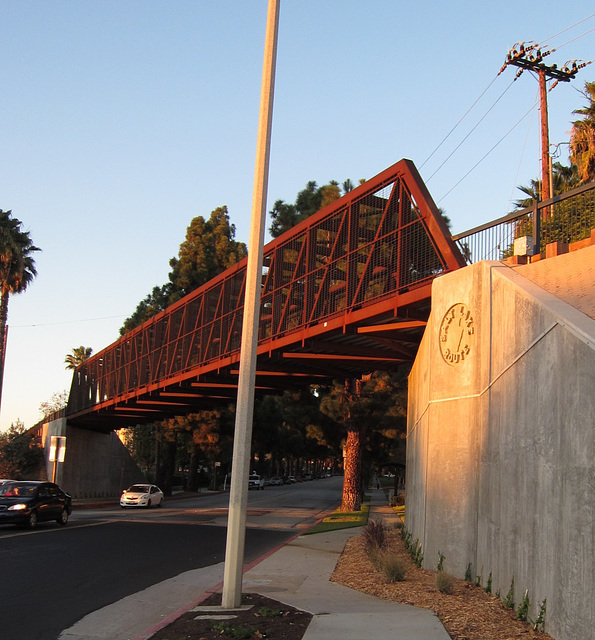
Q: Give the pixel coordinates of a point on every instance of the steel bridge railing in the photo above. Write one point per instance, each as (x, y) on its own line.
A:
(382, 239)
(566, 218)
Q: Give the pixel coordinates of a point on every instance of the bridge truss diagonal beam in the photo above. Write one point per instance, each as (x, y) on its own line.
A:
(352, 280)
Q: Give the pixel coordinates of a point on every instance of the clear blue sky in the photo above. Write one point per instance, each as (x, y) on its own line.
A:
(122, 120)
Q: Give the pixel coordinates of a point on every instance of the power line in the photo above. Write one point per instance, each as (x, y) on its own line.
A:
(568, 29)
(459, 122)
(470, 132)
(488, 153)
(62, 322)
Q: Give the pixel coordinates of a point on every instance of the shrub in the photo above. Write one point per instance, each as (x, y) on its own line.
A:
(444, 582)
(393, 568)
(387, 563)
(375, 534)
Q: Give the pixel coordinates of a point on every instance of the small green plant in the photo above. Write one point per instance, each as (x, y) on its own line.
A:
(265, 612)
(440, 562)
(523, 610)
(444, 582)
(539, 624)
(417, 554)
(406, 538)
(375, 534)
(488, 587)
(477, 581)
(468, 573)
(509, 600)
(235, 631)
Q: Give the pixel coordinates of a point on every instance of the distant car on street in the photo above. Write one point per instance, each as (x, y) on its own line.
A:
(255, 481)
(275, 481)
(27, 502)
(142, 495)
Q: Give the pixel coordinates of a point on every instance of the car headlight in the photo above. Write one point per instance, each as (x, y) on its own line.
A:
(17, 507)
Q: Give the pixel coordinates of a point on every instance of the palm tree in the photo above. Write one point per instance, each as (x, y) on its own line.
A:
(582, 137)
(77, 357)
(563, 179)
(17, 271)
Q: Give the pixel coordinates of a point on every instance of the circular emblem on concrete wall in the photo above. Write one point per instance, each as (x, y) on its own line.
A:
(456, 334)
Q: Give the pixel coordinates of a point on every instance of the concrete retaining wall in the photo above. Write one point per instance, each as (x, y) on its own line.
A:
(96, 465)
(501, 442)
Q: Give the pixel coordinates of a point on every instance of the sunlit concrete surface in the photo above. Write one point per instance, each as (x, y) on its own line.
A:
(501, 438)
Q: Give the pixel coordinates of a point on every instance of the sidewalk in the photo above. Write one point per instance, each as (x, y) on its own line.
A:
(297, 574)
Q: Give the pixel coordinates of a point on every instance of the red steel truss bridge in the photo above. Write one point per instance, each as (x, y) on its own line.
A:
(345, 292)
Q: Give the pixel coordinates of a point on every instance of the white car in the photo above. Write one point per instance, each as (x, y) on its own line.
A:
(142, 495)
(255, 481)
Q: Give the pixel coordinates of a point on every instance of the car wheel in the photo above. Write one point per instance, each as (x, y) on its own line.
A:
(160, 502)
(63, 519)
(32, 520)
(149, 504)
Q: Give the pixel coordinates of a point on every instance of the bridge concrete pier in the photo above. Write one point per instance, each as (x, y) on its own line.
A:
(97, 465)
(501, 445)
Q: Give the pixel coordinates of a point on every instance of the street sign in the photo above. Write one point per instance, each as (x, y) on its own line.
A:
(57, 448)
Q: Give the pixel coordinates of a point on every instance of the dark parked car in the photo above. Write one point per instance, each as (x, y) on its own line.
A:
(27, 502)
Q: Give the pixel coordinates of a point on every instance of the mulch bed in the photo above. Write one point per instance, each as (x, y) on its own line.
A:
(468, 613)
(265, 619)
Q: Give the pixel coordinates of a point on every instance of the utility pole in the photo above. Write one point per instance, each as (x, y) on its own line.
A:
(529, 56)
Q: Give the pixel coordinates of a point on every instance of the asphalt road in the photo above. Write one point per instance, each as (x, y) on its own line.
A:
(54, 576)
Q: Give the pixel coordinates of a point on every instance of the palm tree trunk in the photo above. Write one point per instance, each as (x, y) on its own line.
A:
(3, 336)
(352, 482)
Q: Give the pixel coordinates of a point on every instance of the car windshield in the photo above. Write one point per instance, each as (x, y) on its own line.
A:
(17, 489)
(138, 488)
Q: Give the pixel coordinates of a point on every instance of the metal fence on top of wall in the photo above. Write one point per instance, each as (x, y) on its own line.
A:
(566, 218)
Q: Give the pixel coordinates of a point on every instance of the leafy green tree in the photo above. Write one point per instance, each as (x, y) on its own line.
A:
(140, 442)
(367, 409)
(206, 438)
(582, 137)
(77, 357)
(55, 404)
(290, 429)
(155, 302)
(17, 271)
(208, 249)
(563, 179)
(309, 200)
(21, 454)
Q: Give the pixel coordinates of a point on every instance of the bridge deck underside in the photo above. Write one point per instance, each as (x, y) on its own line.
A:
(345, 292)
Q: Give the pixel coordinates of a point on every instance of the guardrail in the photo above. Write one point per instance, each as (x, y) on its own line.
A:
(565, 218)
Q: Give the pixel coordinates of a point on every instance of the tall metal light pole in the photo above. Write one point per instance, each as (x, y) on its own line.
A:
(238, 497)
(529, 56)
